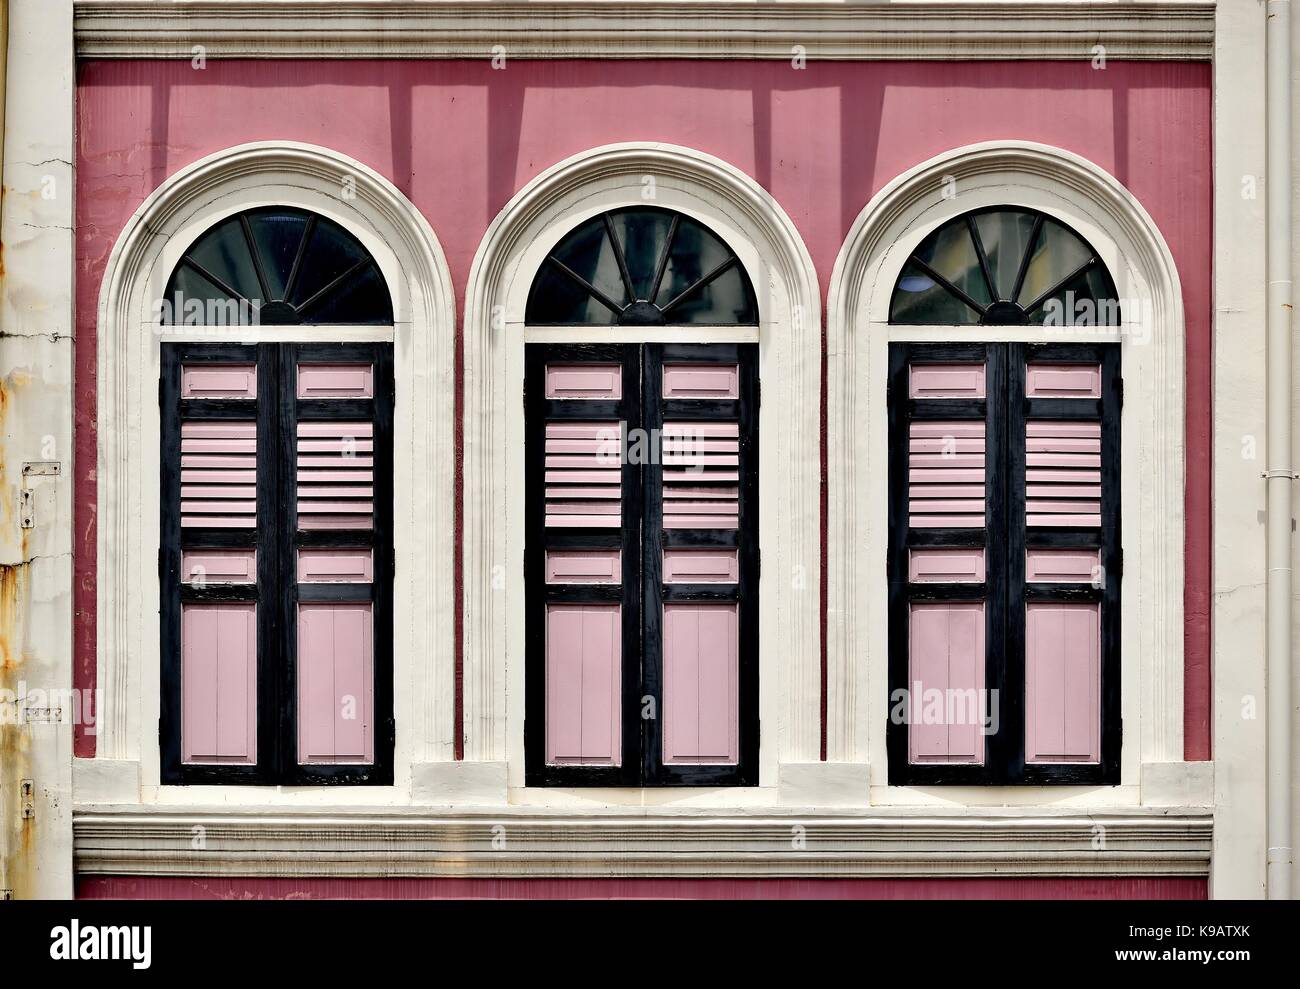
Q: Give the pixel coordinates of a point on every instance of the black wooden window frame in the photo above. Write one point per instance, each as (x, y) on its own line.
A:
(1005, 539)
(642, 593)
(276, 538)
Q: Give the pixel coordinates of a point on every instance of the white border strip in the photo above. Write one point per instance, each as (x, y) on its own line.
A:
(629, 29)
(112, 841)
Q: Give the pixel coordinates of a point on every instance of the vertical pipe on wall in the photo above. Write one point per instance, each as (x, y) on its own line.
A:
(1279, 474)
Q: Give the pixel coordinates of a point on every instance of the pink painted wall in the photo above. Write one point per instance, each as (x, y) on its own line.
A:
(221, 888)
(459, 139)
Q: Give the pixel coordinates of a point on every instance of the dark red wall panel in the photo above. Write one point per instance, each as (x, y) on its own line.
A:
(199, 888)
(459, 139)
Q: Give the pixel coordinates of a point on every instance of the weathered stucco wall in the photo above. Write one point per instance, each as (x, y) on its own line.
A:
(36, 354)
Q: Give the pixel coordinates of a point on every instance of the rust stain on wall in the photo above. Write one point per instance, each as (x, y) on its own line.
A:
(19, 844)
(18, 850)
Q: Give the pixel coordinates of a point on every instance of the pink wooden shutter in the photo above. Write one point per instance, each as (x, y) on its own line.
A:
(1062, 682)
(947, 481)
(337, 462)
(217, 660)
(583, 490)
(219, 683)
(700, 489)
(1063, 491)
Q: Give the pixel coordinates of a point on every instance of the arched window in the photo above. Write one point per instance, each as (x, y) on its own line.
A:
(641, 542)
(277, 511)
(642, 267)
(1005, 266)
(285, 267)
(1004, 558)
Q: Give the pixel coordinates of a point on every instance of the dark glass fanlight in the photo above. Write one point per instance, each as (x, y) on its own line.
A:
(1005, 266)
(642, 267)
(289, 266)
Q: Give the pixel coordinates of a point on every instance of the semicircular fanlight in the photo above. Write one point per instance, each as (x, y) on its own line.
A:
(1005, 266)
(642, 267)
(287, 266)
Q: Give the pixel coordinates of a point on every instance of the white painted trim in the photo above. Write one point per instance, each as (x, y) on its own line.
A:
(1240, 430)
(767, 244)
(37, 423)
(623, 29)
(412, 261)
(858, 331)
(770, 842)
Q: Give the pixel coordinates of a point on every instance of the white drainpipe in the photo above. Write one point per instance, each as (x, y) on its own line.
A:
(1279, 474)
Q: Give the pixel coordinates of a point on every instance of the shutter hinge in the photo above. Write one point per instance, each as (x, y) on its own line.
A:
(1120, 385)
(758, 393)
(160, 731)
(27, 798)
(393, 561)
(758, 561)
(1119, 563)
(160, 391)
(523, 395)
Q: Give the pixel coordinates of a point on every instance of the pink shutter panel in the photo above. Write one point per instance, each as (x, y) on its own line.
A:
(946, 475)
(701, 465)
(331, 565)
(584, 381)
(1063, 381)
(1063, 473)
(701, 684)
(336, 381)
(335, 684)
(1062, 682)
(946, 566)
(701, 381)
(219, 683)
(218, 474)
(1062, 566)
(584, 475)
(218, 566)
(946, 704)
(701, 566)
(584, 566)
(218, 381)
(335, 475)
(946, 381)
(584, 683)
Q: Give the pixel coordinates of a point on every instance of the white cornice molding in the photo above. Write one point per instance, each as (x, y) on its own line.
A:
(629, 29)
(513, 842)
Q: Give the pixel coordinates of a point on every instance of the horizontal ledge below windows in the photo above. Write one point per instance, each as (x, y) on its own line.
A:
(413, 841)
(940, 29)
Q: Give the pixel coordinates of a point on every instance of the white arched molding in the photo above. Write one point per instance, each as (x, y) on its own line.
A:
(767, 244)
(1095, 204)
(407, 252)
